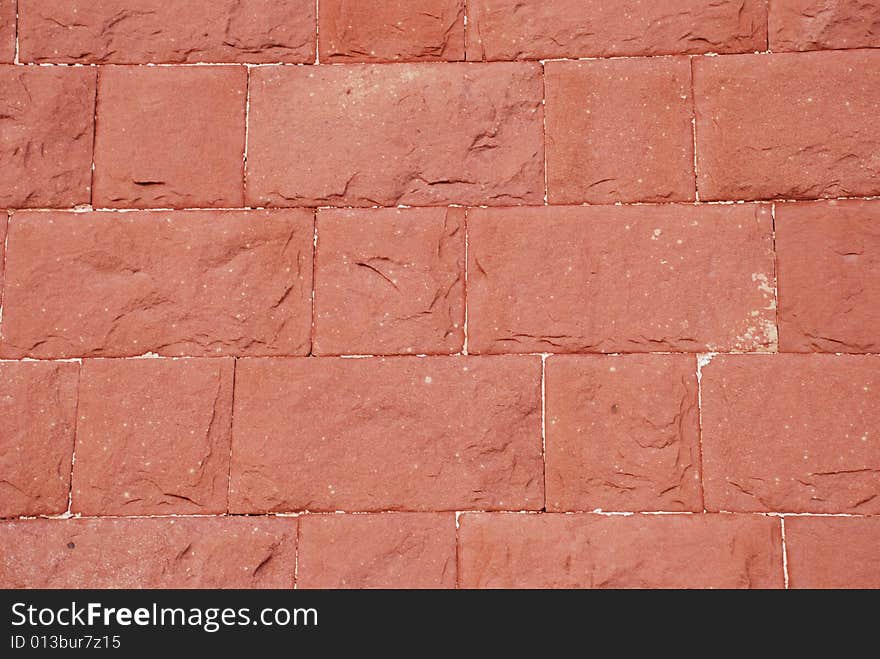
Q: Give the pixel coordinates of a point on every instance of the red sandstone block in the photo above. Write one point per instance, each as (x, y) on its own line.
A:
(833, 552)
(170, 137)
(46, 136)
(622, 433)
(196, 283)
(153, 437)
(678, 278)
(37, 422)
(7, 30)
(790, 126)
(377, 135)
(4, 223)
(504, 550)
(536, 29)
(390, 281)
(619, 130)
(400, 433)
(391, 550)
(829, 276)
(195, 552)
(167, 31)
(824, 24)
(389, 31)
(791, 433)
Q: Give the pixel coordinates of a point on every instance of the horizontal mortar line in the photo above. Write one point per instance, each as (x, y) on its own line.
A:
(446, 511)
(500, 355)
(729, 202)
(536, 60)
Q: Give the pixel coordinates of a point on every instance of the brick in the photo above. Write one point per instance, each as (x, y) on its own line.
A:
(390, 281)
(791, 433)
(170, 137)
(4, 223)
(37, 422)
(165, 31)
(46, 136)
(194, 552)
(788, 126)
(533, 29)
(642, 551)
(391, 31)
(824, 24)
(153, 437)
(414, 134)
(621, 279)
(833, 552)
(197, 283)
(404, 433)
(7, 30)
(622, 433)
(391, 550)
(619, 130)
(829, 276)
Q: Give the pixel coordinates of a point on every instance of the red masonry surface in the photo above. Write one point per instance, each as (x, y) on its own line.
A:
(391, 31)
(638, 147)
(46, 136)
(167, 552)
(196, 283)
(508, 550)
(792, 433)
(153, 437)
(397, 433)
(37, 420)
(392, 550)
(166, 31)
(622, 433)
(829, 276)
(439, 294)
(7, 30)
(824, 24)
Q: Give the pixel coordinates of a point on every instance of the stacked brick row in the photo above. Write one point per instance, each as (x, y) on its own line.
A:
(440, 293)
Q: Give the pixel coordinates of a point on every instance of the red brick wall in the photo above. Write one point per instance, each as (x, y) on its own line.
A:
(553, 294)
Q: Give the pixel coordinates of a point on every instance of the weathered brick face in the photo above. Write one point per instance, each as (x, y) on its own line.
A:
(44, 161)
(439, 294)
(159, 31)
(443, 134)
(391, 31)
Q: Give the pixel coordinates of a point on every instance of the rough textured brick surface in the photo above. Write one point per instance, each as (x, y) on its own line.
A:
(620, 279)
(622, 433)
(824, 24)
(790, 126)
(163, 31)
(619, 130)
(793, 433)
(170, 137)
(390, 281)
(220, 552)
(391, 550)
(46, 161)
(418, 134)
(441, 433)
(536, 29)
(7, 30)
(37, 422)
(153, 437)
(174, 283)
(833, 552)
(389, 31)
(506, 550)
(4, 223)
(829, 276)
